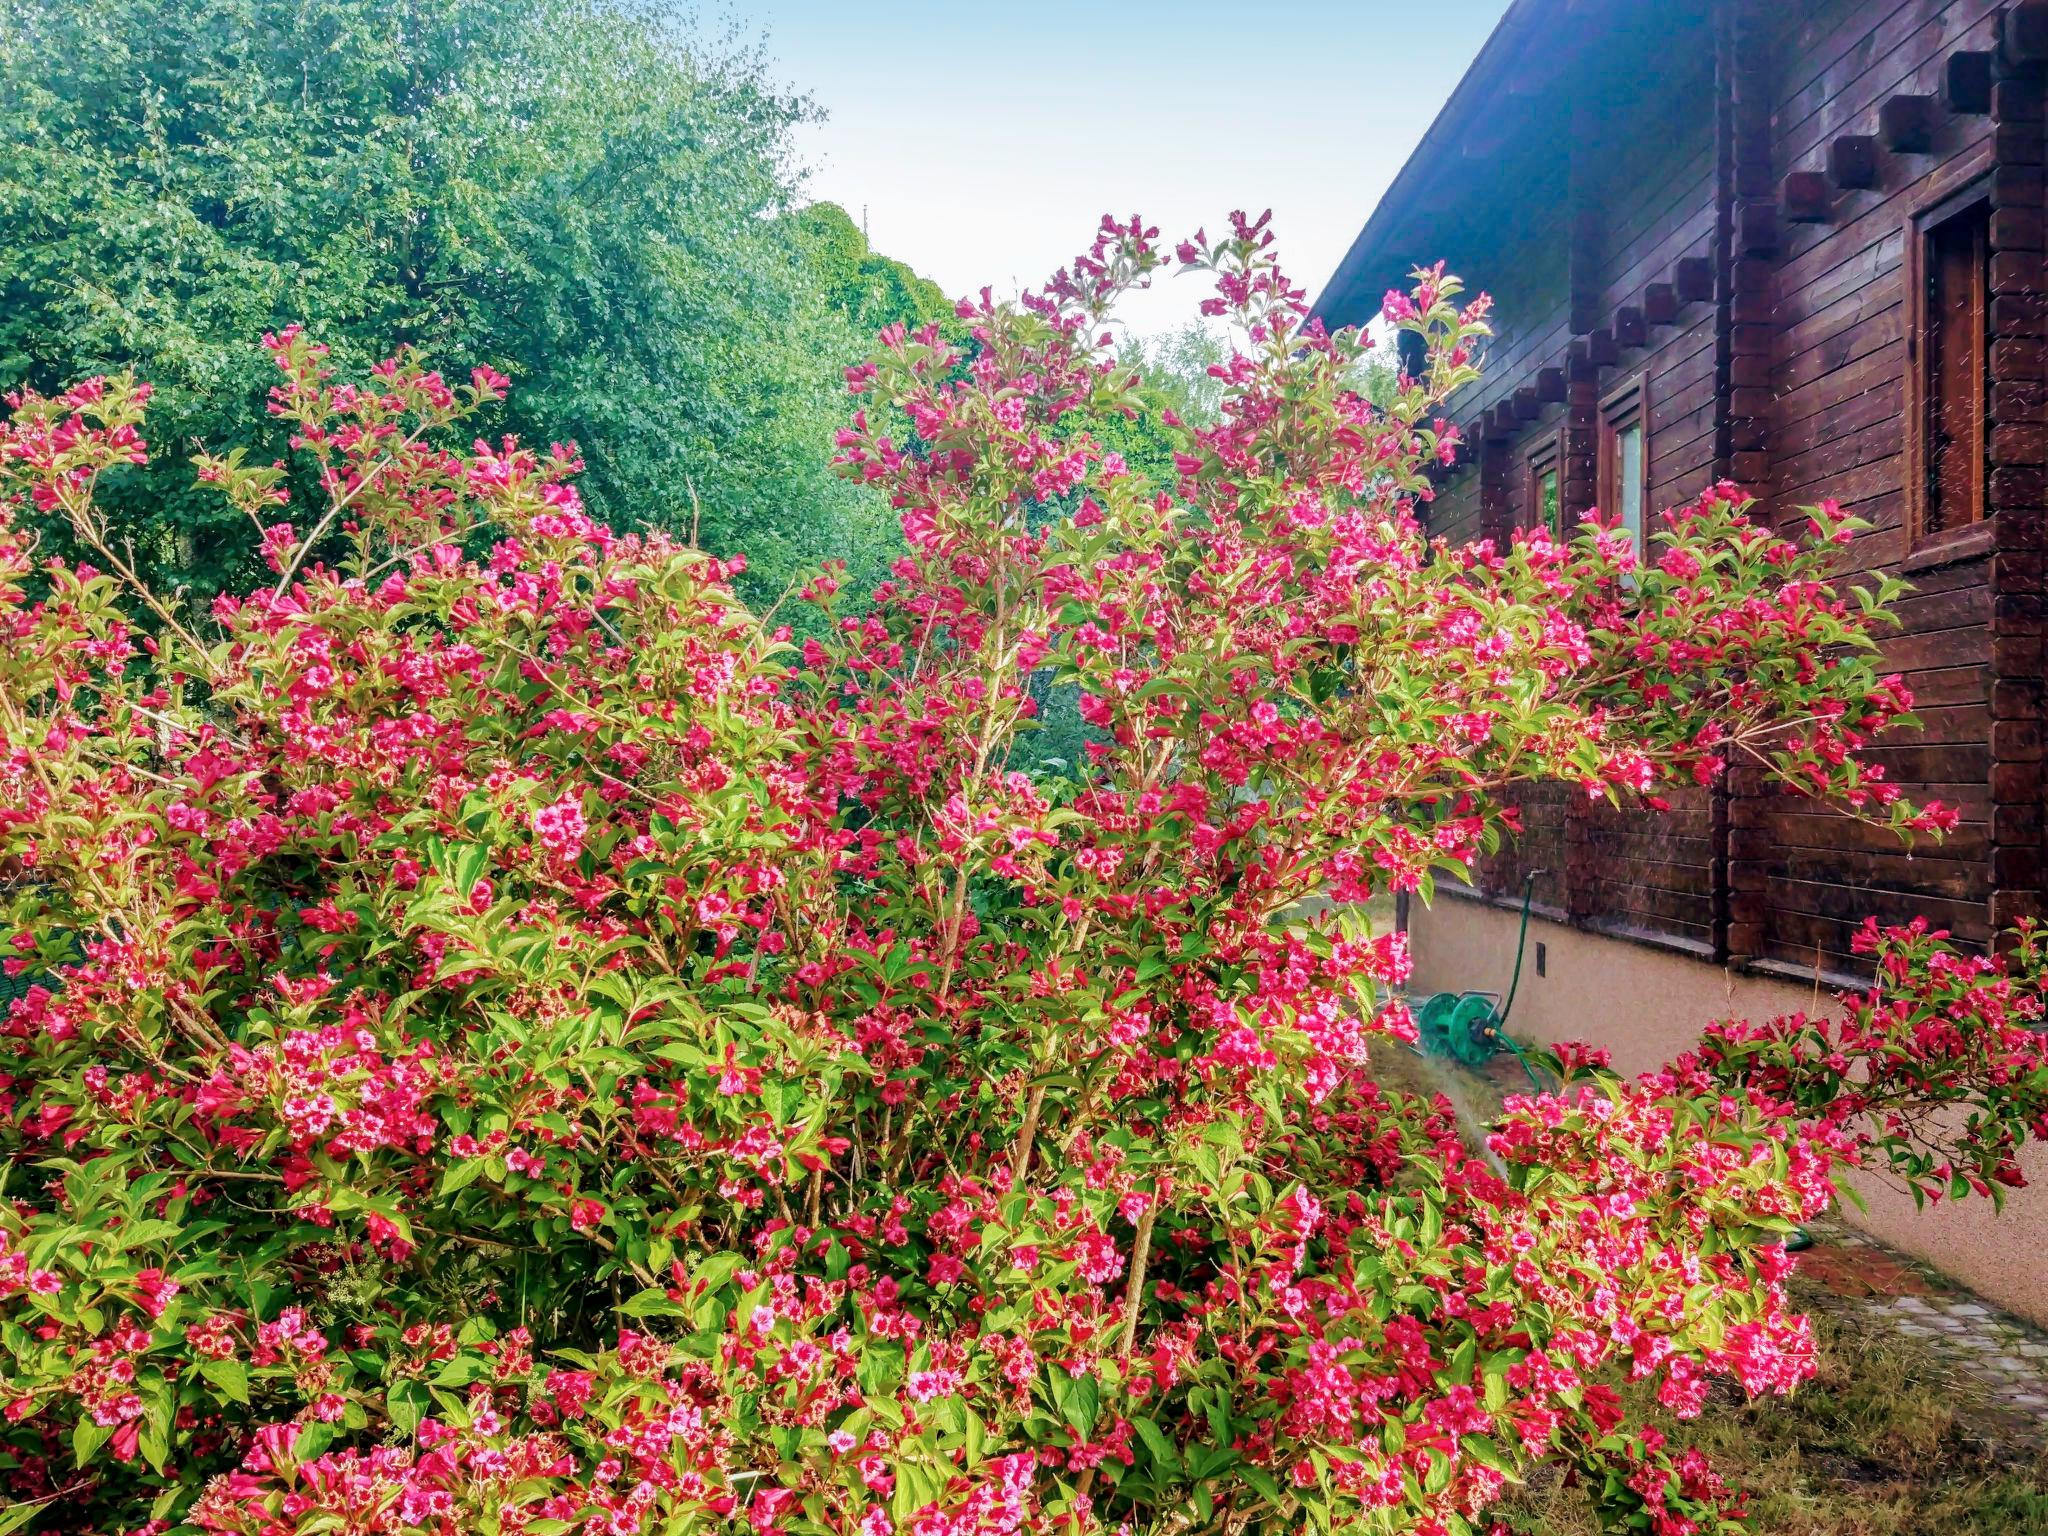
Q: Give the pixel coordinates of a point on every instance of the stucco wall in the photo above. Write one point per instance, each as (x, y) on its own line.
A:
(1645, 1005)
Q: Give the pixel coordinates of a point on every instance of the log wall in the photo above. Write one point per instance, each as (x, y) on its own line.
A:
(1738, 238)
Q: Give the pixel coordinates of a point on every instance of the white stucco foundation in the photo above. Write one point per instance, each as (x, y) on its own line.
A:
(1646, 1004)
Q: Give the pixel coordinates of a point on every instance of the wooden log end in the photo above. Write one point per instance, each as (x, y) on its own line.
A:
(1693, 278)
(1905, 124)
(2024, 39)
(1966, 83)
(1805, 197)
(1757, 224)
(1853, 161)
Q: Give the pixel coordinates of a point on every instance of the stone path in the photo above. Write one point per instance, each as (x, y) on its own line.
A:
(2003, 1358)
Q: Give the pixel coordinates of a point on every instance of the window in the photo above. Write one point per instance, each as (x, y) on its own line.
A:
(1411, 353)
(1624, 460)
(1948, 257)
(1545, 503)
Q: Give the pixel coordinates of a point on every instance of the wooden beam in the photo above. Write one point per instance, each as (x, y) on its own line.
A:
(1693, 277)
(1550, 385)
(1478, 429)
(1527, 406)
(1806, 198)
(1601, 347)
(2025, 39)
(1630, 329)
(1578, 361)
(1758, 222)
(1852, 161)
(1906, 124)
(1504, 421)
(1660, 304)
(1966, 83)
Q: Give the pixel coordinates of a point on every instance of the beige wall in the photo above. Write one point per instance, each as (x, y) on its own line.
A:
(1645, 1005)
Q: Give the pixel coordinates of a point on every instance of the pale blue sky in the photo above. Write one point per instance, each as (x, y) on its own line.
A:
(986, 138)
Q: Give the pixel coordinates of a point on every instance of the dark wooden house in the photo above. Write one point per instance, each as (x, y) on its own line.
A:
(1797, 244)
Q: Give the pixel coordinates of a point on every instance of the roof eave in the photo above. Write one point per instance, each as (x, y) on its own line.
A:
(1477, 90)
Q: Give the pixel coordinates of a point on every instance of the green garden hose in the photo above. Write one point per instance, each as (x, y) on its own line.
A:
(1521, 943)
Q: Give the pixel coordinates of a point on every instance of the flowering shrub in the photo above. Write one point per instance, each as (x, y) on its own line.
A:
(512, 1048)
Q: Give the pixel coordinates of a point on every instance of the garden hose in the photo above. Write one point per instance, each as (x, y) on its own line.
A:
(1499, 1028)
(1521, 943)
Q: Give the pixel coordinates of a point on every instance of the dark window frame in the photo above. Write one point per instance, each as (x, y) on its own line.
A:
(1936, 522)
(1626, 405)
(1544, 458)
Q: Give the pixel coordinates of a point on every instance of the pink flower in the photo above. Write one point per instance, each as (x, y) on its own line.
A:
(559, 826)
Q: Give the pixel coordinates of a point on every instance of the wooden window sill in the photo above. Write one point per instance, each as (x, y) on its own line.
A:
(1605, 927)
(1502, 899)
(1953, 548)
(1827, 977)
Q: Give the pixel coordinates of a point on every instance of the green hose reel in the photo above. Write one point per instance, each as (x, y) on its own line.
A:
(1460, 1026)
(1471, 1028)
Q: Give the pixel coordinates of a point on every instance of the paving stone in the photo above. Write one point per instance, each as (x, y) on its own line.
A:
(1995, 1364)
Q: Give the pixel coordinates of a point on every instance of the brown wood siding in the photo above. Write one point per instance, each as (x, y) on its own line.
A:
(1454, 512)
(1817, 347)
(1650, 872)
(1837, 431)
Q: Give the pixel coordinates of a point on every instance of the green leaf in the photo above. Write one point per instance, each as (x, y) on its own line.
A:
(136, 1233)
(1219, 1419)
(406, 1404)
(1262, 1480)
(1486, 1450)
(1496, 1391)
(155, 1442)
(1156, 1442)
(654, 1303)
(715, 1270)
(1080, 1399)
(231, 1377)
(461, 1176)
(87, 1439)
(313, 1441)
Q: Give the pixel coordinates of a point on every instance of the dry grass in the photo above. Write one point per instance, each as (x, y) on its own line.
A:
(1880, 1443)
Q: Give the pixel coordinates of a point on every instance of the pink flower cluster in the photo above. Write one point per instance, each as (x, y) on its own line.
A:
(515, 1042)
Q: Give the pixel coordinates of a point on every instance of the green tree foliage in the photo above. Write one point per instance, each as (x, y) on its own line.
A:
(1180, 377)
(581, 193)
(1176, 367)
(871, 290)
